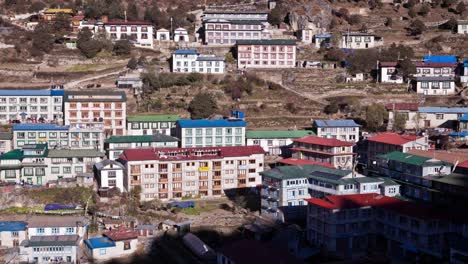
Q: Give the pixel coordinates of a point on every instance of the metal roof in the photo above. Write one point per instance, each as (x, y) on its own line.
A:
(63, 240)
(143, 138)
(199, 123)
(186, 52)
(269, 134)
(74, 153)
(104, 163)
(9, 226)
(440, 58)
(289, 42)
(6, 136)
(443, 110)
(326, 35)
(39, 127)
(336, 123)
(434, 78)
(101, 96)
(153, 118)
(99, 242)
(209, 58)
(302, 171)
(31, 92)
(413, 159)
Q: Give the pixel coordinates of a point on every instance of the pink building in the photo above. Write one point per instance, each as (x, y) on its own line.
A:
(273, 53)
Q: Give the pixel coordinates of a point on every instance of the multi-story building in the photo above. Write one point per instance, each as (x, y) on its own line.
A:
(275, 142)
(228, 32)
(235, 15)
(351, 225)
(6, 142)
(31, 105)
(12, 233)
(322, 40)
(359, 40)
(116, 144)
(53, 239)
(188, 61)
(327, 150)
(181, 35)
(51, 13)
(171, 173)
(139, 33)
(387, 142)
(464, 72)
(462, 27)
(112, 244)
(439, 85)
(345, 130)
(76, 136)
(421, 117)
(208, 133)
(151, 124)
(110, 174)
(390, 72)
(271, 53)
(37, 164)
(87, 107)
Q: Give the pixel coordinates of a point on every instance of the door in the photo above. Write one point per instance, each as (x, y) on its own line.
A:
(39, 180)
(427, 123)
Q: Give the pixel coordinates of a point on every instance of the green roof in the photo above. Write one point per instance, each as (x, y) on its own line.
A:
(413, 159)
(278, 133)
(139, 139)
(153, 118)
(16, 154)
(74, 153)
(462, 22)
(454, 179)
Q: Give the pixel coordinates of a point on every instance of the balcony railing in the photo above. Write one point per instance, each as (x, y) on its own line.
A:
(135, 182)
(179, 189)
(217, 186)
(203, 177)
(163, 179)
(204, 187)
(177, 179)
(162, 190)
(216, 176)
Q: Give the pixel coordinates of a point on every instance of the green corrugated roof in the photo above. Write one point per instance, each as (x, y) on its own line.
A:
(74, 153)
(15, 154)
(153, 118)
(278, 133)
(462, 22)
(139, 139)
(368, 179)
(412, 159)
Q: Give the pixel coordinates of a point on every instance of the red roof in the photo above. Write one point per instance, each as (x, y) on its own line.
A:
(121, 234)
(291, 161)
(189, 153)
(393, 138)
(402, 106)
(416, 210)
(389, 64)
(129, 23)
(330, 142)
(434, 64)
(463, 164)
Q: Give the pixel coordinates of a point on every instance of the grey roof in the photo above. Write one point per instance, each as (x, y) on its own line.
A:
(336, 123)
(6, 136)
(146, 227)
(56, 221)
(209, 58)
(368, 179)
(434, 78)
(356, 34)
(69, 96)
(74, 153)
(104, 163)
(64, 240)
(232, 21)
(289, 42)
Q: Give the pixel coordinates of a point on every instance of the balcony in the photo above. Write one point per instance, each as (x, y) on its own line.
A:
(135, 172)
(216, 177)
(135, 182)
(206, 168)
(217, 168)
(176, 169)
(163, 180)
(162, 190)
(201, 178)
(242, 176)
(177, 189)
(242, 185)
(177, 179)
(204, 187)
(217, 186)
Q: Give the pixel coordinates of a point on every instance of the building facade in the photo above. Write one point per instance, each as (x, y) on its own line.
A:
(117, 144)
(6, 142)
(272, 53)
(462, 27)
(87, 107)
(139, 33)
(359, 40)
(389, 72)
(235, 15)
(443, 85)
(151, 124)
(12, 233)
(208, 133)
(110, 174)
(112, 244)
(344, 130)
(188, 61)
(275, 142)
(173, 173)
(327, 150)
(31, 106)
(228, 32)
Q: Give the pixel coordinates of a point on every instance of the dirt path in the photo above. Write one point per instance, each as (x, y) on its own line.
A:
(75, 83)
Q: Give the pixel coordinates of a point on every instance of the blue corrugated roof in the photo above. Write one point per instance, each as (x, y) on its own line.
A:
(99, 242)
(12, 226)
(459, 134)
(465, 63)
(31, 92)
(464, 117)
(39, 127)
(183, 52)
(336, 123)
(442, 110)
(211, 123)
(326, 35)
(440, 58)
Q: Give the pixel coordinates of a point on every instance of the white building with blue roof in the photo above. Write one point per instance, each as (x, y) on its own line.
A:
(211, 133)
(464, 74)
(31, 105)
(187, 61)
(429, 116)
(12, 233)
(345, 130)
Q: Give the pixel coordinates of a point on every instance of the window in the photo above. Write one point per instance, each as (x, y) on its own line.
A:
(70, 230)
(67, 170)
(127, 245)
(102, 251)
(55, 170)
(439, 116)
(15, 234)
(55, 230)
(40, 231)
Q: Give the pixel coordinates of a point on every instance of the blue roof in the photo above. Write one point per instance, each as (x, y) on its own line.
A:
(325, 35)
(184, 52)
(99, 242)
(464, 117)
(465, 63)
(12, 226)
(440, 58)
(31, 92)
(211, 123)
(459, 134)
(336, 123)
(443, 110)
(35, 127)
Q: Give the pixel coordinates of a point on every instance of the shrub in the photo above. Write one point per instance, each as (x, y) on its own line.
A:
(354, 19)
(417, 27)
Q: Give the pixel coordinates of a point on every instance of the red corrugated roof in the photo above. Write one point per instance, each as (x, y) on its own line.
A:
(412, 209)
(330, 142)
(393, 138)
(402, 106)
(434, 64)
(121, 234)
(130, 23)
(389, 64)
(463, 164)
(291, 161)
(189, 153)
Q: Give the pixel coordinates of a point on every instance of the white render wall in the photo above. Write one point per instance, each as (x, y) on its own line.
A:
(266, 56)
(115, 149)
(350, 134)
(149, 128)
(440, 90)
(142, 42)
(272, 146)
(426, 120)
(386, 75)
(103, 254)
(7, 238)
(47, 107)
(357, 42)
(187, 63)
(223, 139)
